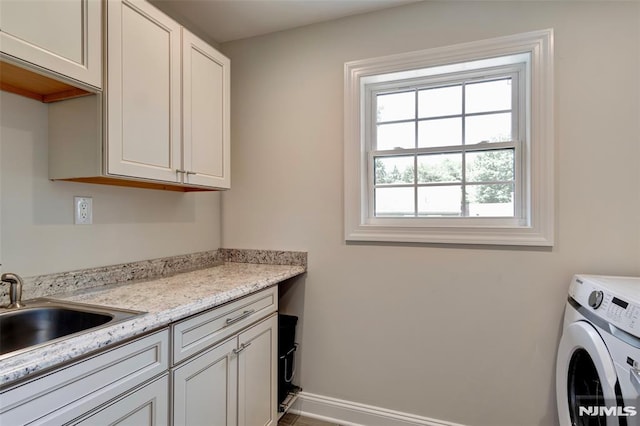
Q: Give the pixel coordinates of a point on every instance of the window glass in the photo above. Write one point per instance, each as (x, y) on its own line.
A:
(490, 166)
(488, 96)
(396, 106)
(394, 170)
(440, 101)
(439, 168)
(398, 202)
(488, 128)
(440, 132)
(396, 135)
(439, 200)
(490, 200)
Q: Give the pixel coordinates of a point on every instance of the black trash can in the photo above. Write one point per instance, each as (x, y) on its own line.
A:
(286, 353)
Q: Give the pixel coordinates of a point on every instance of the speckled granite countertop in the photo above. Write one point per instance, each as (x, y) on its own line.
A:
(164, 299)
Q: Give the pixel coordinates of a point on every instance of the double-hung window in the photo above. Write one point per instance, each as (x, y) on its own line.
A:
(452, 145)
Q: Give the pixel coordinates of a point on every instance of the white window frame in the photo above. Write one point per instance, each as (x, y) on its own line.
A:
(533, 223)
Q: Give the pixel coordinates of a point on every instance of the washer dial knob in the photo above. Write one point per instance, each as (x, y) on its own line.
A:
(595, 299)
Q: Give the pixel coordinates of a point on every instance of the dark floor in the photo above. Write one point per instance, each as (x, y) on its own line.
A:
(295, 420)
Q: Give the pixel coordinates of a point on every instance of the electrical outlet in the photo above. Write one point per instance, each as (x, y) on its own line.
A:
(83, 210)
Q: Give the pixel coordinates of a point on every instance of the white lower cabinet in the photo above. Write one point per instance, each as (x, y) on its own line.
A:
(233, 382)
(224, 374)
(72, 392)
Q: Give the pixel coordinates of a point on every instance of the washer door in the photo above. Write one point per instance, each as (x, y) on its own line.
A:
(585, 379)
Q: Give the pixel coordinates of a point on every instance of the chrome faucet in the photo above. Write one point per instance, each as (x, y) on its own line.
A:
(15, 289)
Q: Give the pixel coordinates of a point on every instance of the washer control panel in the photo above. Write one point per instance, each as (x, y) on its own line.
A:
(615, 299)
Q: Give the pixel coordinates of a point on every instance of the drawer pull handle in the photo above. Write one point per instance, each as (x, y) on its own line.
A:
(240, 317)
(241, 348)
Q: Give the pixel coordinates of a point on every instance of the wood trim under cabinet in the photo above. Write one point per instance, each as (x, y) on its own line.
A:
(36, 86)
(136, 184)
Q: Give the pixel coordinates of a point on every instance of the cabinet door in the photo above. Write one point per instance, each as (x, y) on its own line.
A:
(206, 120)
(61, 36)
(143, 92)
(147, 406)
(205, 388)
(257, 374)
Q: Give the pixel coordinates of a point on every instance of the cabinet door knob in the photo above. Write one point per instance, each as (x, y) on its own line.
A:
(180, 171)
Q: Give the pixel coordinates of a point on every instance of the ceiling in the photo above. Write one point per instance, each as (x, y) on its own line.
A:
(226, 20)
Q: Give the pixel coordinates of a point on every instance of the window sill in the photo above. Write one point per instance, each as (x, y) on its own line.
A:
(509, 236)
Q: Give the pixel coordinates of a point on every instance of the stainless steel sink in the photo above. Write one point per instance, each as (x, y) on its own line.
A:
(44, 321)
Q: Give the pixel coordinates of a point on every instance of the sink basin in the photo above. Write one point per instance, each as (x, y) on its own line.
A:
(43, 321)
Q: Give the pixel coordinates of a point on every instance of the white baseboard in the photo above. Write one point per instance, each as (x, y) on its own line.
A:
(348, 413)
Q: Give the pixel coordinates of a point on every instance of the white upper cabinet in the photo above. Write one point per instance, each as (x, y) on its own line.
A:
(167, 100)
(143, 92)
(162, 121)
(59, 36)
(205, 113)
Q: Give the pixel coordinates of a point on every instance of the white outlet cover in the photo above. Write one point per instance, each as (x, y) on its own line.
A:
(82, 210)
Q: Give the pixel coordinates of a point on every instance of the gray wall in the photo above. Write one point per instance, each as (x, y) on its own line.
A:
(453, 333)
(36, 215)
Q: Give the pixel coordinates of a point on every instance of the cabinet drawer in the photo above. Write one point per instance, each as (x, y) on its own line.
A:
(203, 330)
(66, 393)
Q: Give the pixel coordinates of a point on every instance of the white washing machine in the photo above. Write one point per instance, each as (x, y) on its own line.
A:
(598, 364)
